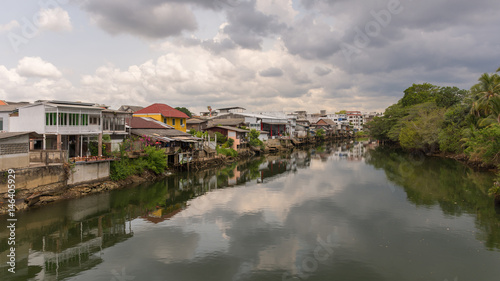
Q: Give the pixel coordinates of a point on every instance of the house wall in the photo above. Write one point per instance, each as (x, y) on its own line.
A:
(30, 119)
(5, 118)
(155, 116)
(14, 152)
(177, 125)
(232, 135)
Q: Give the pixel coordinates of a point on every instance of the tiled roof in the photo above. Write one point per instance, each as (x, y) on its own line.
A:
(163, 109)
(327, 121)
(147, 123)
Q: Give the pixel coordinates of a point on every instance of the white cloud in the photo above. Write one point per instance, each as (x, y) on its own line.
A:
(55, 19)
(9, 26)
(36, 67)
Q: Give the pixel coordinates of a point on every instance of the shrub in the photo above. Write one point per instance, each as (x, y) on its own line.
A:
(154, 160)
(485, 145)
(227, 152)
(230, 142)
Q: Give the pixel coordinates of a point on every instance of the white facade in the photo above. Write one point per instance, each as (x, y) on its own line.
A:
(46, 118)
(4, 121)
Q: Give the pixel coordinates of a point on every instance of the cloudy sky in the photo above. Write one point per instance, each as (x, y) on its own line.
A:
(259, 54)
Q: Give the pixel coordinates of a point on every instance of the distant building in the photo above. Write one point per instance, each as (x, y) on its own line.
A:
(356, 119)
(235, 109)
(130, 108)
(165, 114)
(238, 135)
(196, 124)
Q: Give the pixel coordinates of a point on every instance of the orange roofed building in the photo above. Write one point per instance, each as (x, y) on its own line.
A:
(166, 114)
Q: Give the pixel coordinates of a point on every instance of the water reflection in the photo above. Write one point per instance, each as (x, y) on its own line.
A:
(455, 188)
(377, 214)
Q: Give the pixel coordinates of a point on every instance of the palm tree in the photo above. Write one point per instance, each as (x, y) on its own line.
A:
(487, 92)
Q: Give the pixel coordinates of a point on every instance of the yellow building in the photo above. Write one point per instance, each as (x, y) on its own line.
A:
(166, 114)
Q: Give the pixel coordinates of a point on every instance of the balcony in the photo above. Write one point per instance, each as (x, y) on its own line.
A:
(73, 130)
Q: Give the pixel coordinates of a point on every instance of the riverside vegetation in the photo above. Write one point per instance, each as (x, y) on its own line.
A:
(462, 123)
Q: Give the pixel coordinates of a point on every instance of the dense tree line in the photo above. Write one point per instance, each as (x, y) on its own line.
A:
(446, 119)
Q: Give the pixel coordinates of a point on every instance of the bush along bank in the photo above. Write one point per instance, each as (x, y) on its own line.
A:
(447, 121)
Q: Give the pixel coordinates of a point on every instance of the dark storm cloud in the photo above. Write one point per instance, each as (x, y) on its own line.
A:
(311, 39)
(247, 26)
(153, 19)
(271, 72)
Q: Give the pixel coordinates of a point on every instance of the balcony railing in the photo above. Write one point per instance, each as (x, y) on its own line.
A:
(73, 129)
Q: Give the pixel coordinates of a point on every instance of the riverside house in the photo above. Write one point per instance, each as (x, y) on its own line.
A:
(166, 114)
(63, 125)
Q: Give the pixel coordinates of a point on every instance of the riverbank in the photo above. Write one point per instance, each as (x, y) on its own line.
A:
(60, 189)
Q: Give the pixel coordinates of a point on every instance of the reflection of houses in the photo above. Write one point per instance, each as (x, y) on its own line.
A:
(63, 125)
(238, 135)
(275, 168)
(82, 244)
(166, 114)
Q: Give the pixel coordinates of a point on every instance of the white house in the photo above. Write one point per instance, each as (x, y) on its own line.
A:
(64, 125)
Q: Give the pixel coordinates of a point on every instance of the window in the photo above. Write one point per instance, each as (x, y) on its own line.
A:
(63, 121)
(165, 120)
(173, 121)
(85, 119)
(94, 120)
(182, 122)
(50, 119)
(1, 124)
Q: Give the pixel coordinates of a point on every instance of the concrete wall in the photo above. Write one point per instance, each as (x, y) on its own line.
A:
(48, 156)
(89, 171)
(54, 176)
(31, 178)
(13, 161)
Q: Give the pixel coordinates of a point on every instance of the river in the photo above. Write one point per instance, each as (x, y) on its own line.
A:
(333, 212)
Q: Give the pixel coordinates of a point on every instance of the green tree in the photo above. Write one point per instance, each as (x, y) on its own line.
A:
(185, 110)
(320, 133)
(487, 93)
(421, 128)
(419, 93)
(449, 96)
(254, 138)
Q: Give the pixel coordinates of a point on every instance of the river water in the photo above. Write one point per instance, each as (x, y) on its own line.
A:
(334, 212)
